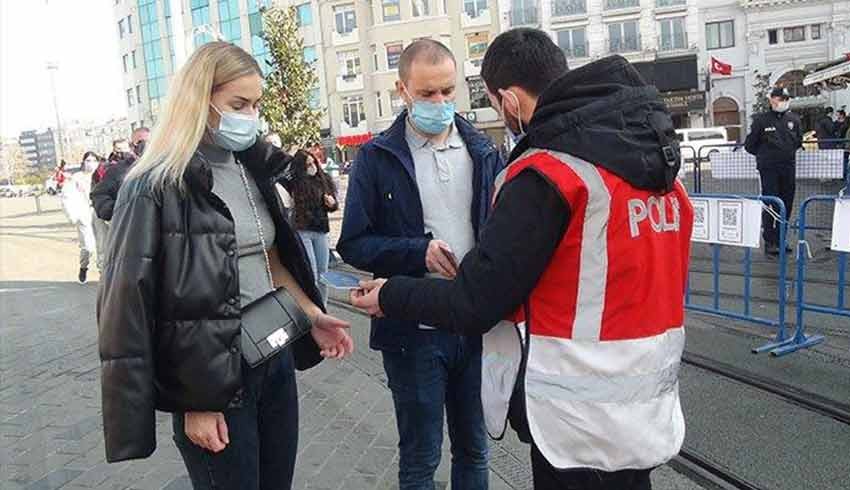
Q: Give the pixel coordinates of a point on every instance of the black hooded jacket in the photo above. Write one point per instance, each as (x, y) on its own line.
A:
(602, 113)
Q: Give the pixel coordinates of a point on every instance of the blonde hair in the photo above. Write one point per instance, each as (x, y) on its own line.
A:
(183, 120)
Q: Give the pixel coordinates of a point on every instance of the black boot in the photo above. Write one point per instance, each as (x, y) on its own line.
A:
(82, 276)
(771, 249)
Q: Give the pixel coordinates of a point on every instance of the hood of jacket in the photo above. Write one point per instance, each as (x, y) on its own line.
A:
(606, 114)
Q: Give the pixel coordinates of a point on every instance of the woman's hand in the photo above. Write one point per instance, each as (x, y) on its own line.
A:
(330, 201)
(207, 430)
(331, 334)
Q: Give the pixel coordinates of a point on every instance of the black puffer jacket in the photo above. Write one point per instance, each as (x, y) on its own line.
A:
(168, 305)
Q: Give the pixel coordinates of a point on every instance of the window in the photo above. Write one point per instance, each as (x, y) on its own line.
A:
(139, 94)
(313, 97)
(474, 8)
(255, 26)
(200, 18)
(562, 8)
(152, 38)
(573, 42)
(816, 32)
(229, 20)
(773, 36)
(396, 103)
(794, 34)
(420, 8)
(130, 98)
(310, 55)
(523, 12)
(379, 106)
(349, 62)
(478, 93)
(391, 10)
(621, 4)
(129, 24)
(719, 35)
(476, 45)
(305, 15)
(133, 55)
(393, 54)
(623, 37)
(121, 28)
(352, 111)
(374, 57)
(124, 59)
(346, 20)
(673, 35)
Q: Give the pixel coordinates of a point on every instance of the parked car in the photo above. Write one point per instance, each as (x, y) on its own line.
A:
(699, 138)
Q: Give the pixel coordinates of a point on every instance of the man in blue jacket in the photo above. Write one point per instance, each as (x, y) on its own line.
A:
(417, 197)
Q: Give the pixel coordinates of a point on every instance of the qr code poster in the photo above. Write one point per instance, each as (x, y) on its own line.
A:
(841, 226)
(727, 221)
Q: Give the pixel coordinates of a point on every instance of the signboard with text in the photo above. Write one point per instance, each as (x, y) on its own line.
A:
(734, 222)
(841, 226)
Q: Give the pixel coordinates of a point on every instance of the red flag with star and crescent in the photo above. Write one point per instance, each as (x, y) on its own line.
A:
(720, 67)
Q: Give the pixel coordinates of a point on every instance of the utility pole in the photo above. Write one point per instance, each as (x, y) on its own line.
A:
(53, 68)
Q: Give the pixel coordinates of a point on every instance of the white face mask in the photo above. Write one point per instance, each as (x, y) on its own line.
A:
(312, 170)
(235, 131)
(783, 106)
(90, 165)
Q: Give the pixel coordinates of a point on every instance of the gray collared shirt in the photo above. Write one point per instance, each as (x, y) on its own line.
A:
(444, 177)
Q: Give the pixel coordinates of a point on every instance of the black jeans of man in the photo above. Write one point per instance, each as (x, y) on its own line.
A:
(439, 373)
(263, 434)
(778, 180)
(547, 477)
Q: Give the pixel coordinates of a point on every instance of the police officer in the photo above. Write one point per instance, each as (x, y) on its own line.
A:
(584, 373)
(774, 139)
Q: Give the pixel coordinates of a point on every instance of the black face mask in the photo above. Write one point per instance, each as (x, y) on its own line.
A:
(139, 148)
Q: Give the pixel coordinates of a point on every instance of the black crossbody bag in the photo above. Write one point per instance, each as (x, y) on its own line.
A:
(274, 321)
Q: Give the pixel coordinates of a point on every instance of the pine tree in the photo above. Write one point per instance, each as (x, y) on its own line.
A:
(286, 101)
(761, 87)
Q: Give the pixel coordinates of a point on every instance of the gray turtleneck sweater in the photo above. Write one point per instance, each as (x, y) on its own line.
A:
(229, 187)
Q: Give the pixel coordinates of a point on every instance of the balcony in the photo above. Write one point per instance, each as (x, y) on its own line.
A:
(470, 19)
(674, 43)
(567, 8)
(629, 44)
(578, 51)
(621, 4)
(349, 83)
(523, 17)
(343, 38)
(662, 4)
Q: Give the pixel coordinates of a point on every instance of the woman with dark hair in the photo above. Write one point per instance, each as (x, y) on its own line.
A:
(314, 196)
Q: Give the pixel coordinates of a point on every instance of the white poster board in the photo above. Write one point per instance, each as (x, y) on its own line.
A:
(812, 164)
(734, 222)
(841, 226)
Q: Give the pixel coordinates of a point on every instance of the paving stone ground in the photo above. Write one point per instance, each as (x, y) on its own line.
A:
(50, 416)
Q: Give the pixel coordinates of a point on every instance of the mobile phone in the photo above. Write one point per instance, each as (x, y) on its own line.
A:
(340, 280)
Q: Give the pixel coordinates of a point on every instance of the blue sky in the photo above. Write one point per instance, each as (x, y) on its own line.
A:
(82, 37)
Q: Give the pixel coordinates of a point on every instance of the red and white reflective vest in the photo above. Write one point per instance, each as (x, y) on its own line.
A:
(603, 328)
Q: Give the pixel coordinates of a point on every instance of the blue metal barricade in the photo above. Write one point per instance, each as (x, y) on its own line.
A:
(800, 340)
(778, 323)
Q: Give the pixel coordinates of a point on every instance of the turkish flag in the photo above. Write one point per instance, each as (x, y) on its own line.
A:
(720, 67)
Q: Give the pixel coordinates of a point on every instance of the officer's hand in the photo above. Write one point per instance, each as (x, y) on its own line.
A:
(440, 259)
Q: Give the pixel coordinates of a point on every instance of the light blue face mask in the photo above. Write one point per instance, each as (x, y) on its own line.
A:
(236, 131)
(431, 117)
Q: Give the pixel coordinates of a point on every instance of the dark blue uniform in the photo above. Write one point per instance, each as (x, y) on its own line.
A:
(774, 139)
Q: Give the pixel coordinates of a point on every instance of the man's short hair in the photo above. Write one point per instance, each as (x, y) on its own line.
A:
(427, 50)
(829, 110)
(526, 58)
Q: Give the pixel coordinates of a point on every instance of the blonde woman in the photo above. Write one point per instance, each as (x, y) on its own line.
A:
(186, 257)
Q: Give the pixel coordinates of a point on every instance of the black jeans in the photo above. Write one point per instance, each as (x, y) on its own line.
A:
(546, 477)
(779, 181)
(263, 434)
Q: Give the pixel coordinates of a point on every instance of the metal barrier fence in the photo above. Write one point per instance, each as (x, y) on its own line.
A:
(779, 323)
(729, 169)
(800, 340)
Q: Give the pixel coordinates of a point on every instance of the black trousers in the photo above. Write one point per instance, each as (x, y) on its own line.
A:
(546, 477)
(778, 180)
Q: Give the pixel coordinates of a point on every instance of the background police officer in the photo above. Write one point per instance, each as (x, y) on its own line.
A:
(774, 139)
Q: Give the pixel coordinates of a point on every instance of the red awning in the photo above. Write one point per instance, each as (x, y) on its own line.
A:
(355, 140)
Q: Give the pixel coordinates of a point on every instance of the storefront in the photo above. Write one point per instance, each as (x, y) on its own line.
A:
(348, 146)
(677, 81)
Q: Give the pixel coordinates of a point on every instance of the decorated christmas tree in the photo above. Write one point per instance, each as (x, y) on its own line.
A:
(286, 104)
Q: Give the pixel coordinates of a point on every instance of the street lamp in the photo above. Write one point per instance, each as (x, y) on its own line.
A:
(53, 68)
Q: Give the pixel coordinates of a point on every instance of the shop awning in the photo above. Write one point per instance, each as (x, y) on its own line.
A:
(833, 76)
(353, 140)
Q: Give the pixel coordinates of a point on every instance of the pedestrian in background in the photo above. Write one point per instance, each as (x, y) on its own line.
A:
(313, 197)
(774, 138)
(75, 202)
(825, 130)
(105, 192)
(198, 235)
(590, 227)
(417, 199)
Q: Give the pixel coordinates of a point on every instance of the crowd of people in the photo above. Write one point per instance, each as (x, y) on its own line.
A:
(498, 292)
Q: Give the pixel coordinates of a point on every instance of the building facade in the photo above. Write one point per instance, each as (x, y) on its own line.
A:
(39, 148)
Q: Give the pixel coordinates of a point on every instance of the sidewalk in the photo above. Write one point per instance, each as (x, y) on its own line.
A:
(50, 425)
